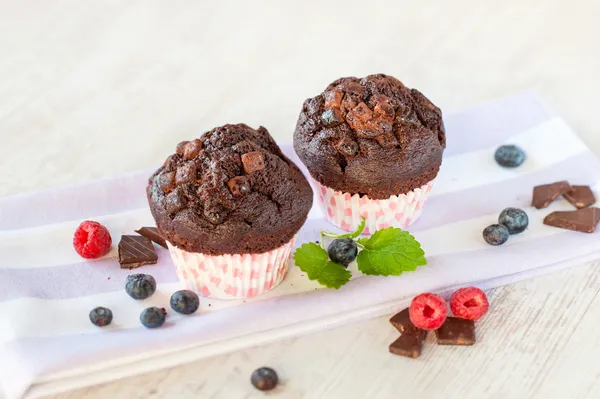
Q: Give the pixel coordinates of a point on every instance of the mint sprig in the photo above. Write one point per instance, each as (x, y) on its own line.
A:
(356, 233)
(314, 261)
(388, 252)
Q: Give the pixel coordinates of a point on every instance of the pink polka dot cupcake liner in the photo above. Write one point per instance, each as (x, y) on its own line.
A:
(232, 276)
(346, 210)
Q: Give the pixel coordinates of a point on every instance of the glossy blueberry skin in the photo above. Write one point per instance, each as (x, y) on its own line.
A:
(496, 234)
(515, 220)
(185, 302)
(342, 251)
(153, 317)
(140, 286)
(509, 156)
(264, 379)
(101, 316)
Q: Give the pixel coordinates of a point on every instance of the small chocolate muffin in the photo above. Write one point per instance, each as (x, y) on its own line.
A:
(231, 191)
(371, 136)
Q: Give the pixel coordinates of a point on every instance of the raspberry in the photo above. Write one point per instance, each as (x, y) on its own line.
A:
(469, 303)
(428, 311)
(91, 240)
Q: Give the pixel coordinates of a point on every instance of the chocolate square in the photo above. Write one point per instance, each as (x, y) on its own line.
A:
(332, 117)
(253, 161)
(583, 220)
(174, 202)
(185, 173)
(166, 180)
(402, 321)
(152, 234)
(136, 251)
(410, 343)
(544, 195)
(580, 196)
(239, 185)
(456, 331)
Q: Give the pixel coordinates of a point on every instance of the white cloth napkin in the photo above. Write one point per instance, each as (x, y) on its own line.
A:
(47, 290)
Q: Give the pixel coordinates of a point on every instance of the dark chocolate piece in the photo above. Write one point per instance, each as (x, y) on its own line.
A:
(580, 196)
(582, 220)
(456, 331)
(153, 234)
(136, 251)
(545, 194)
(410, 343)
(402, 321)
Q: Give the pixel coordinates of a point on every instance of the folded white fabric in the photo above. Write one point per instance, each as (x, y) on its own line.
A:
(47, 290)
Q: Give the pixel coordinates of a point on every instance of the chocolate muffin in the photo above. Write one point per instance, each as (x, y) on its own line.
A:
(372, 136)
(231, 191)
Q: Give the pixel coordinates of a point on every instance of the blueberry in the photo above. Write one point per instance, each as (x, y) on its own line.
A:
(510, 156)
(185, 302)
(140, 286)
(264, 379)
(342, 251)
(101, 316)
(153, 317)
(515, 220)
(495, 234)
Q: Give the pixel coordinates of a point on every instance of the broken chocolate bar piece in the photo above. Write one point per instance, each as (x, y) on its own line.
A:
(402, 321)
(153, 234)
(582, 220)
(136, 251)
(410, 343)
(456, 331)
(545, 194)
(580, 196)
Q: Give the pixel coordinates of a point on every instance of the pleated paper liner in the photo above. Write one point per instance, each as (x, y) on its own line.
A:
(346, 210)
(232, 276)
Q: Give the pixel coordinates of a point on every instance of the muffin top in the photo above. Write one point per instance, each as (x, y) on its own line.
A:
(371, 136)
(231, 191)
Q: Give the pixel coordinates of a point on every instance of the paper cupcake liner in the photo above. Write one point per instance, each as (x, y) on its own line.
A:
(346, 210)
(232, 276)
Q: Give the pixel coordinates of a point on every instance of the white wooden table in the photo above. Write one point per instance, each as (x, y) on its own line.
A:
(89, 89)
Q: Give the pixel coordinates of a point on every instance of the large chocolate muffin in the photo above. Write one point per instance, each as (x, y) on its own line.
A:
(231, 191)
(371, 136)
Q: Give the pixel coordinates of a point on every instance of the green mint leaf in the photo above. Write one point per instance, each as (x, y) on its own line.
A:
(314, 261)
(390, 252)
(356, 233)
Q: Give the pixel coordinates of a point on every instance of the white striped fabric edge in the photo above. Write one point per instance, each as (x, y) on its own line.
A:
(546, 144)
(461, 237)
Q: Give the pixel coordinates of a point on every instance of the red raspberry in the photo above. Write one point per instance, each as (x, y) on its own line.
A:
(91, 240)
(428, 311)
(469, 303)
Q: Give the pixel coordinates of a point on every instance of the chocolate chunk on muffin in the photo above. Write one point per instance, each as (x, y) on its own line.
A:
(371, 136)
(231, 191)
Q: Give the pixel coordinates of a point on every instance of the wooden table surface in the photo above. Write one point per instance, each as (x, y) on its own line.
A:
(90, 89)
